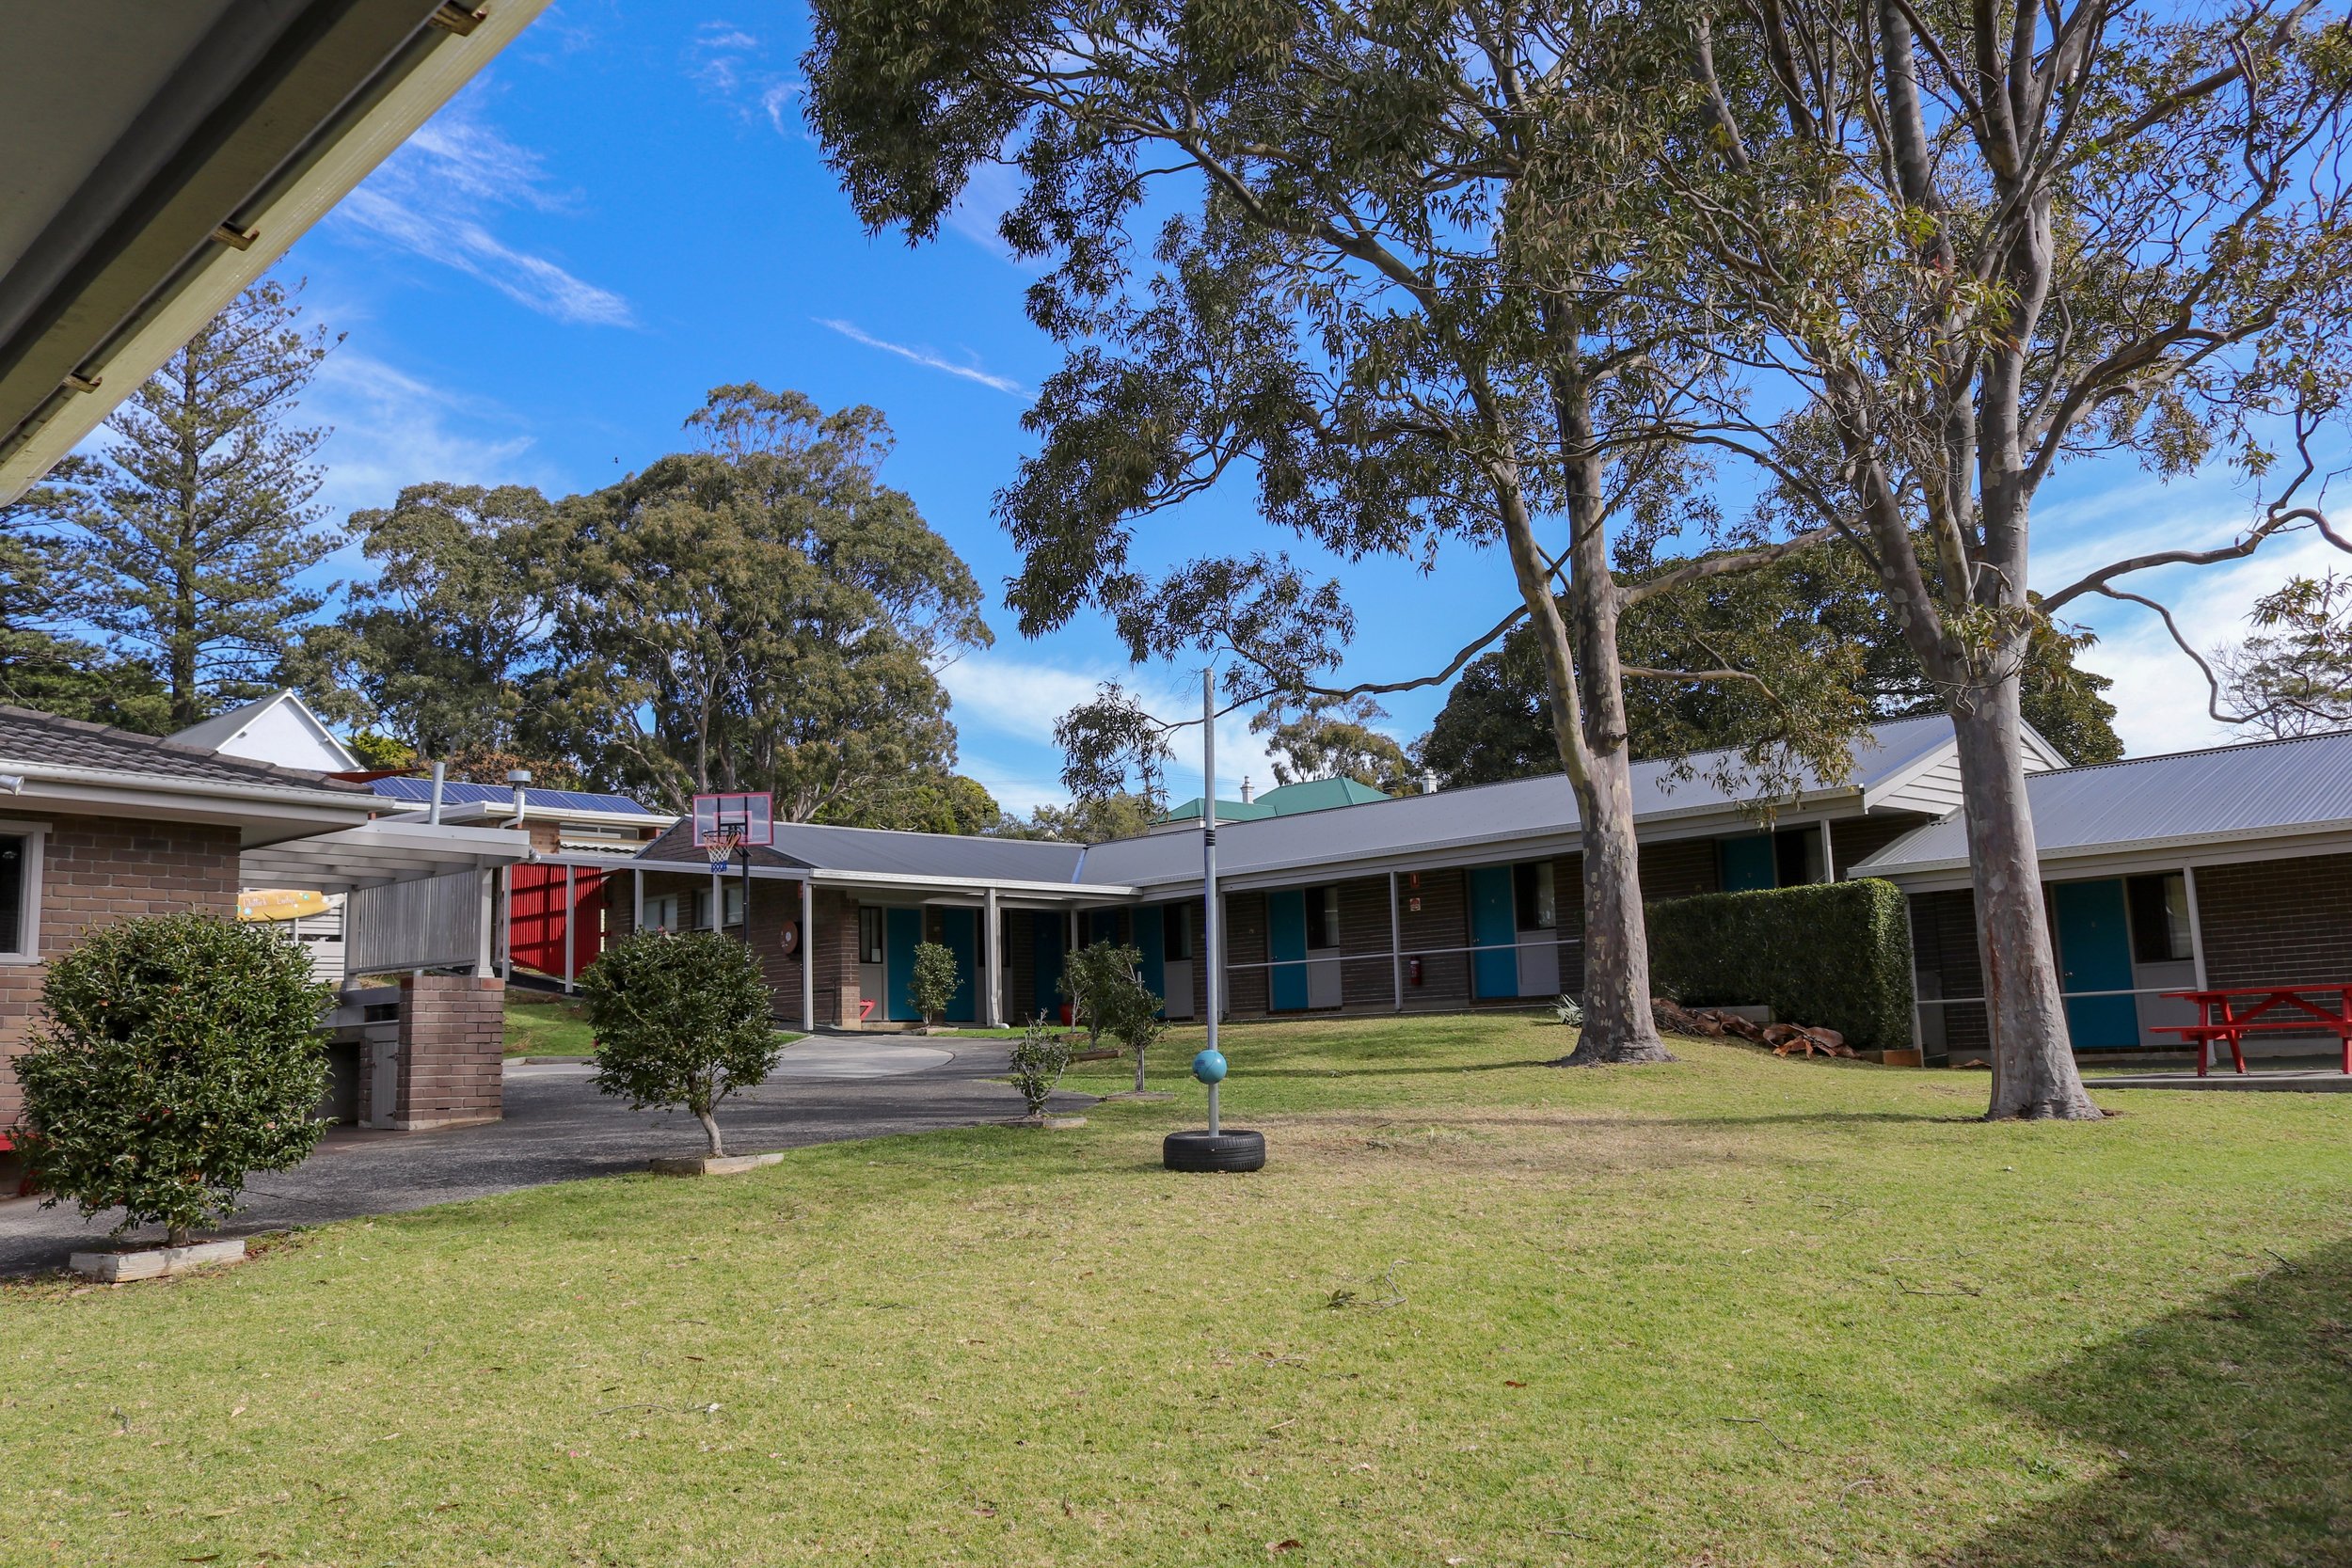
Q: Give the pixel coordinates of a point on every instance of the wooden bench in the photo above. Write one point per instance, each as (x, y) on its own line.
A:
(2274, 1010)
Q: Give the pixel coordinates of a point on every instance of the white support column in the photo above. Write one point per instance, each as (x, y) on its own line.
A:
(571, 911)
(808, 956)
(1396, 946)
(486, 962)
(1829, 858)
(506, 929)
(993, 966)
(637, 903)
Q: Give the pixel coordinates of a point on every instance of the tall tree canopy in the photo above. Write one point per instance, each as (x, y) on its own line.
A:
(1953, 250)
(42, 663)
(760, 613)
(1494, 725)
(440, 648)
(1338, 740)
(1400, 291)
(2292, 676)
(193, 520)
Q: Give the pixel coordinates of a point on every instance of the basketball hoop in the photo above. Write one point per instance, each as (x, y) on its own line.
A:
(721, 845)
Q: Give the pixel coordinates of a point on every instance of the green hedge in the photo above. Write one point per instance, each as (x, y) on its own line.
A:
(1833, 953)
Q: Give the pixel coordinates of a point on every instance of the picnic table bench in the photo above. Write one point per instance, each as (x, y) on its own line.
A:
(2273, 1010)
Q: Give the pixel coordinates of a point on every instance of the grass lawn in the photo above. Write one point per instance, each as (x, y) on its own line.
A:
(1477, 1311)
(542, 1023)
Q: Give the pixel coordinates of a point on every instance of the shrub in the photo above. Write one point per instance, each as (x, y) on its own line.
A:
(1569, 1011)
(1094, 979)
(1120, 1004)
(680, 1020)
(934, 981)
(177, 1053)
(1039, 1057)
(1835, 953)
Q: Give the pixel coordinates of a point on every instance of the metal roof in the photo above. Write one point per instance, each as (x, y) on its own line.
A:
(1484, 814)
(879, 851)
(454, 793)
(2262, 788)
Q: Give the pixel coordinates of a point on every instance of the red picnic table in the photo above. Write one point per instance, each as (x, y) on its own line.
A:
(2274, 1010)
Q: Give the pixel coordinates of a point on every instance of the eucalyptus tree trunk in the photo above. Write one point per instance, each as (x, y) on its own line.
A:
(2033, 1059)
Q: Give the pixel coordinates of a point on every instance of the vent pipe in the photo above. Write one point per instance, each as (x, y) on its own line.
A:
(1247, 794)
(520, 778)
(441, 775)
(1429, 783)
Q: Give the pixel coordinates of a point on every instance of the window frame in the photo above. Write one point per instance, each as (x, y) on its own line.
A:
(2138, 909)
(869, 918)
(36, 837)
(1323, 918)
(1176, 934)
(1534, 896)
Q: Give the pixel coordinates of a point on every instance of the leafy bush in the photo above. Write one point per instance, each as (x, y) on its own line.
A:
(934, 981)
(1120, 1004)
(680, 1020)
(1835, 954)
(1039, 1057)
(177, 1053)
(1095, 979)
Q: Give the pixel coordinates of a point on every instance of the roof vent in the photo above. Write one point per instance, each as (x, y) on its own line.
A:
(1429, 783)
(1247, 794)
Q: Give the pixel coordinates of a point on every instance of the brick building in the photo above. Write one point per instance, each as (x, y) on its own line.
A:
(2211, 869)
(1461, 899)
(100, 825)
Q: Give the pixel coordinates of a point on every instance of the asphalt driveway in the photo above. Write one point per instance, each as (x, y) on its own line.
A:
(559, 1129)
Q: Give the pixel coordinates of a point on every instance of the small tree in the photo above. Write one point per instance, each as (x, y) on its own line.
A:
(1126, 1009)
(680, 1020)
(179, 1053)
(1039, 1057)
(1091, 979)
(935, 980)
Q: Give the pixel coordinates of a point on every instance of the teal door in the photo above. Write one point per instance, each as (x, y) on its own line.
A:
(2094, 943)
(1745, 864)
(902, 930)
(959, 933)
(1150, 940)
(1286, 944)
(1494, 930)
(1045, 943)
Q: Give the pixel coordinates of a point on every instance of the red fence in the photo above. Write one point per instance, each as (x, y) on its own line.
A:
(537, 918)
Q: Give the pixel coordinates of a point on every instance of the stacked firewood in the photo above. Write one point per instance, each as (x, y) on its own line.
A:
(1715, 1023)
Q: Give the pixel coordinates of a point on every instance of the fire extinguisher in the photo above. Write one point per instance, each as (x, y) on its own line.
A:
(1412, 970)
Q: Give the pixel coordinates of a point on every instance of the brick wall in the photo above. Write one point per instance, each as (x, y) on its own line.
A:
(1678, 870)
(99, 870)
(1943, 953)
(2277, 922)
(1245, 943)
(452, 1043)
(1441, 922)
(1854, 839)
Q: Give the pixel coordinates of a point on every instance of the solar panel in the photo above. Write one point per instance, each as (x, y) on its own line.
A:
(457, 792)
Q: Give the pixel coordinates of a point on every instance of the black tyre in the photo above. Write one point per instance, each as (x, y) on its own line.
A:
(1236, 1149)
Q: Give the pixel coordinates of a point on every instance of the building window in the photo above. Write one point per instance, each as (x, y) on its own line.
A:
(20, 895)
(1176, 934)
(1532, 892)
(662, 912)
(2159, 909)
(1323, 918)
(869, 935)
(731, 903)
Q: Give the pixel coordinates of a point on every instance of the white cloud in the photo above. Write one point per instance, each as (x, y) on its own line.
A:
(435, 195)
(394, 429)
(926, 358)
(731, 64)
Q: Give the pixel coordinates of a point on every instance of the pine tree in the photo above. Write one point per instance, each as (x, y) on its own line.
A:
(191, 526)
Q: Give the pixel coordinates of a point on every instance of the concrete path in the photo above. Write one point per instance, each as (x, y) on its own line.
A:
(559, 1129)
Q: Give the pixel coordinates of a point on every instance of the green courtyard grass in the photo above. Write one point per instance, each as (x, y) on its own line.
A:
(1735, 1310)
(547, 1024)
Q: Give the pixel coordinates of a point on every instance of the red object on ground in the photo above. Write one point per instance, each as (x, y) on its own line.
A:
(2275, 1010)
(536, 936)
(866, 1009)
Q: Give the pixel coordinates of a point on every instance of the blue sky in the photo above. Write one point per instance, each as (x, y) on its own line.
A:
(625, 211)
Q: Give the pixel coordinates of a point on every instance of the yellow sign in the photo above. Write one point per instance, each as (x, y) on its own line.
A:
(276, 903)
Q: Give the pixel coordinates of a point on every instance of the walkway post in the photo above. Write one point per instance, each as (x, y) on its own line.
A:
(571, 910)
(992, 971)
(1208, 868)
(1396, 946)
(808, 956)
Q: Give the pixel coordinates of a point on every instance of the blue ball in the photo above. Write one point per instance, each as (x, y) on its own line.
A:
(1209, 1067)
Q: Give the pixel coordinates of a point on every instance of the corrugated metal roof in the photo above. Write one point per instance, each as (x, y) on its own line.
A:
(2267, 787)
(1477, 814)
(456, 793)
(884, 853)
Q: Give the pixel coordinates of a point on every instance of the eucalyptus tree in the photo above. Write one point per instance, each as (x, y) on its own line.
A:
(1376, 260)
(1956, 249)
(759, 613)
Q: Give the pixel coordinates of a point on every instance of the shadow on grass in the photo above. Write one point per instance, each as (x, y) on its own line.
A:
(2227, 1425)
(1378, 1071)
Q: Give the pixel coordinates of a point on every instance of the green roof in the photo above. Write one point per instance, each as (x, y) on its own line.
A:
(1285, 800)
